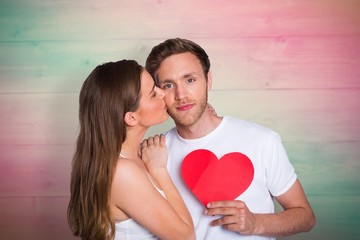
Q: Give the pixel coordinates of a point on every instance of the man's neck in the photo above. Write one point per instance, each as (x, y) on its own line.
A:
(206, 124)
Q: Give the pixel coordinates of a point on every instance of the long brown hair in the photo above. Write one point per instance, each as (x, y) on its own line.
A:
(111, 90)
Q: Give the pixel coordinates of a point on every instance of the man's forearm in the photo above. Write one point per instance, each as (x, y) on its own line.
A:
(285, 223)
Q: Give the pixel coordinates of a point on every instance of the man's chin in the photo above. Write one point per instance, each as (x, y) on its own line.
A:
(183, 122)
(185, 119)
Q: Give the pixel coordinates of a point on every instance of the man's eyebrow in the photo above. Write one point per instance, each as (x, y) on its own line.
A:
(165, 81)
(186, 75)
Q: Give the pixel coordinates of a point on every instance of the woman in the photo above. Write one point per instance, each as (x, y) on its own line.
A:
(119, 190)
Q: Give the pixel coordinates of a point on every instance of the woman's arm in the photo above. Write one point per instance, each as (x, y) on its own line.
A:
(154, 155)
(135, 195)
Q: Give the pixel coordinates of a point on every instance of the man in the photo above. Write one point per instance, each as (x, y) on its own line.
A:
(182, 69)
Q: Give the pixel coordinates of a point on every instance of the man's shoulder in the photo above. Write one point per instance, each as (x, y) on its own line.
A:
(245, 124)
(170, 135)
(171, 132)
(250, 130)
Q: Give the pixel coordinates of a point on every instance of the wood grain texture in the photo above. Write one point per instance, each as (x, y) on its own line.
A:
(34, 219)
(35, 170)
(87, 20)
(337, 218)
(237, 63)
(299, 115)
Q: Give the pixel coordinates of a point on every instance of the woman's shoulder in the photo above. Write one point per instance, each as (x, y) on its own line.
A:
(127, 177)
(127, 168)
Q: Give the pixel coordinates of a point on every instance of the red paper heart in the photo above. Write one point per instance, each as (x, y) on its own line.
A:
(211, 179)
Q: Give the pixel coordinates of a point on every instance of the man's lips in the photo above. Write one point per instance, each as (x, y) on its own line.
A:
(184, 107)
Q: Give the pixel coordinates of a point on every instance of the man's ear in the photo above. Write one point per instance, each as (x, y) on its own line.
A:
(130, 119)
(209, 80)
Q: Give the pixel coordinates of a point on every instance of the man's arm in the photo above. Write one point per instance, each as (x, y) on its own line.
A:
(296, 217)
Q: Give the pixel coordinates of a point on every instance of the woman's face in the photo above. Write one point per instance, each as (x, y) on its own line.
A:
(152, 108)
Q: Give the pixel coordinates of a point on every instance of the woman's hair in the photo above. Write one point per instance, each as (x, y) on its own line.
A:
(175, 46)
(111, 90)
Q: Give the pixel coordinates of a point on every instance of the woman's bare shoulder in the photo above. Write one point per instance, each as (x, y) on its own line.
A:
(127, 168)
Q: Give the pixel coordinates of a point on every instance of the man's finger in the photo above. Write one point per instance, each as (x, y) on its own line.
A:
(220, 204)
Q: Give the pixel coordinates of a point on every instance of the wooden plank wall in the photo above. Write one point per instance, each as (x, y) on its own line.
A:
(293, 66)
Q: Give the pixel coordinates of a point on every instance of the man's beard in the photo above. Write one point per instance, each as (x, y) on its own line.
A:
(189, 119)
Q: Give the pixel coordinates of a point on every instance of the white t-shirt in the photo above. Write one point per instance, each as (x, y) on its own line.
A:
(273, 173)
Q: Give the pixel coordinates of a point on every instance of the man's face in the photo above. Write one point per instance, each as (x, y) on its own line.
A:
(182, 78)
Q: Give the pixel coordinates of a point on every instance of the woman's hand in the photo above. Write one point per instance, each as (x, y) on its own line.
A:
(211, 109)
(154, 152)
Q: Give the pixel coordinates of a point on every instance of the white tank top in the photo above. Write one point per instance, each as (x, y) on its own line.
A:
(130, 230)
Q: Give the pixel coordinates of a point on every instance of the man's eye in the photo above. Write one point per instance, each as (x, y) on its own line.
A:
(166, 86)
(190, 80)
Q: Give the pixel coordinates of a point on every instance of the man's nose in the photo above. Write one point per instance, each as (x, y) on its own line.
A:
(180, 92)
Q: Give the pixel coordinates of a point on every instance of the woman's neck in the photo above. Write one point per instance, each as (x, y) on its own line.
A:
(131, 146)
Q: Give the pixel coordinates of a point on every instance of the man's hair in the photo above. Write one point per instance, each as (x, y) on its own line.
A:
(175, 46)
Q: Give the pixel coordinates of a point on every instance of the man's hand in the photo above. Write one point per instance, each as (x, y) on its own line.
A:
(297, 215)
(235, 216)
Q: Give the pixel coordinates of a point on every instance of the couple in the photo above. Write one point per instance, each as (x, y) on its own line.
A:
(121, 189)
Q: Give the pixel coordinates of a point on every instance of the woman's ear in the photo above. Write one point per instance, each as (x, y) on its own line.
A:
(130, 119)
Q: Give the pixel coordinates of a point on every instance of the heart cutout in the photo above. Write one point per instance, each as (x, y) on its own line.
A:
(212, 179)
